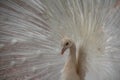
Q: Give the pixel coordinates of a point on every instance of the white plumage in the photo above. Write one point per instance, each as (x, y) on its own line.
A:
(70, 68)
(31, 33)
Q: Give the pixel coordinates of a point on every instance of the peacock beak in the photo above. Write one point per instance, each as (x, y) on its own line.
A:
(63, 50)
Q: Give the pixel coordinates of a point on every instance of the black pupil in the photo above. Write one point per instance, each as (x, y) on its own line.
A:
(67, 43)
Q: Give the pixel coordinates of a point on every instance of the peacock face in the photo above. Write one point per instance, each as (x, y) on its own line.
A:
(66, 43)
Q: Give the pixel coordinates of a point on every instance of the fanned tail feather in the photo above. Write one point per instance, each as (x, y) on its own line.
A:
(31, 30)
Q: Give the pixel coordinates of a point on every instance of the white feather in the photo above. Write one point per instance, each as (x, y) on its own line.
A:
(31, 30)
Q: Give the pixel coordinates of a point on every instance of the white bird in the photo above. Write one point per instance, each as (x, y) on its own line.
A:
(70, 69)
(31, 33)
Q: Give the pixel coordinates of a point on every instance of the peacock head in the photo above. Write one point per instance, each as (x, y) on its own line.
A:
(66, 43)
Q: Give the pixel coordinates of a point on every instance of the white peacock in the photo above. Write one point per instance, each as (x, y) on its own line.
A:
(31, 32)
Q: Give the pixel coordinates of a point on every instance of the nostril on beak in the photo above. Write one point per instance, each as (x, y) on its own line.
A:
(63, 50)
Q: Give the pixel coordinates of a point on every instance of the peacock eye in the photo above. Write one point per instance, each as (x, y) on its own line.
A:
(67, 44)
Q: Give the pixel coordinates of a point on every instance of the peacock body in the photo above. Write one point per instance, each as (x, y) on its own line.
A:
(31, 30)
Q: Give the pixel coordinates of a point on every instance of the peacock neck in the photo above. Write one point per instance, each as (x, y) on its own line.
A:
(72, 54)
(71, 61)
